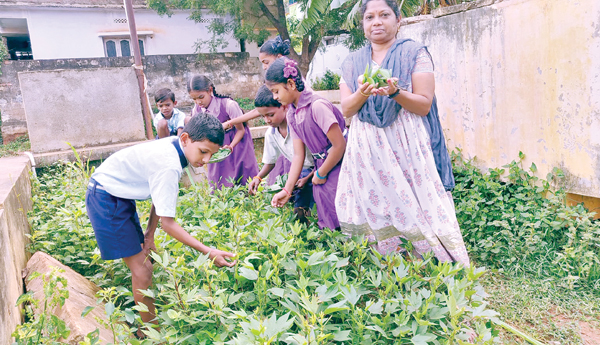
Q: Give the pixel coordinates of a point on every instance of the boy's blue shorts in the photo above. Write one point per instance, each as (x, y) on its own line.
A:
(303, 198)
(115, 222)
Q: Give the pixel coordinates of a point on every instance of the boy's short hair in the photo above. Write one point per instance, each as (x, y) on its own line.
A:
(205, 126)
(164, 94)
(264, 98)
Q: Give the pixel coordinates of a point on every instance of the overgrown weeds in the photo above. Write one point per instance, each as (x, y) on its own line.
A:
(513, 220)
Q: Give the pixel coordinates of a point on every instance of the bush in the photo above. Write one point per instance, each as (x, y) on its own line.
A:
(516, 223)
(330, 81)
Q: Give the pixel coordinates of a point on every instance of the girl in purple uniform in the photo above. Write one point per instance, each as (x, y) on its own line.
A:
(241, 164)
(313, 121)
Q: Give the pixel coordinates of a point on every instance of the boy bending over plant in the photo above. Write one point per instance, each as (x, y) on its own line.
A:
(149, 170)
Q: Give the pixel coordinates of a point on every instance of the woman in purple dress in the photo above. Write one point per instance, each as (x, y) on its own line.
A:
(313, 121)
(241, 164)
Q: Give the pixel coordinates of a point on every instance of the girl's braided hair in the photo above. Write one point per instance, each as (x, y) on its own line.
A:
(284, 69)
(202, 83)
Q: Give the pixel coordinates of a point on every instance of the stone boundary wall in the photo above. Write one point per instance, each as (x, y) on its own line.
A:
(234, 74)
(519, 75)
(15, 202)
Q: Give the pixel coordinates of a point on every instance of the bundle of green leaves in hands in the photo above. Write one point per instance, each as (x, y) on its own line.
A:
(279, 184)
(376, 76)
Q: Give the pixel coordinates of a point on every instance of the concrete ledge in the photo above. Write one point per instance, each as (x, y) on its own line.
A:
(15, 202)
(91, 153)
(258, 132)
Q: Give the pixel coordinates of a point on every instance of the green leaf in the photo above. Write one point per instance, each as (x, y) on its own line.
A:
(109, 308)
(341, 336)
(248, 273)
(86, 311)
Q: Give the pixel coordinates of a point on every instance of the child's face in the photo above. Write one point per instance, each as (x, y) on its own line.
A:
(166, 107)
(267, 59)
(284, 93)
(201, 98)
(273, 116)
(197, 153)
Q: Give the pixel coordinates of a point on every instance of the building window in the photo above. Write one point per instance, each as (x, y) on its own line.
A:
(120, 47)
(329, 41)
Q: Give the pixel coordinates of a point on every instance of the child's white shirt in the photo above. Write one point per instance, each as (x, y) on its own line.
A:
(147, 170)
(174, 123)
(276, 145)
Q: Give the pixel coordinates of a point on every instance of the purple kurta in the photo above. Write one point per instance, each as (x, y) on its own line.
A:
(241, 164)
(310, 121)
(282, 167)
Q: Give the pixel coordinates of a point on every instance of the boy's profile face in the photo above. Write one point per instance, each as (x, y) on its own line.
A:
(273, 116)
(197, 153)
(166, 107)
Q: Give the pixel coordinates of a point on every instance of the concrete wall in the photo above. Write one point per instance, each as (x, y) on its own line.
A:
(63, 33)
(15, 202)
(235, 74)
(84, 108)
(521, 75)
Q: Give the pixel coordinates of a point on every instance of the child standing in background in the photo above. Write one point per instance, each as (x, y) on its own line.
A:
(278, 146)
(169, 120)
(241, 164)
(313, 121)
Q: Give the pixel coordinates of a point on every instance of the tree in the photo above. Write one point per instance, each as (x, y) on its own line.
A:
(248, 20)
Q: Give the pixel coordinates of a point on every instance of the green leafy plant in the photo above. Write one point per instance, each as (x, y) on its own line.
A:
(291, 284)
(329, 81)
(512, 220)
(44, 327)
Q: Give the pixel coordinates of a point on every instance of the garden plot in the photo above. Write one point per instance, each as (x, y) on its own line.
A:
(295, 284)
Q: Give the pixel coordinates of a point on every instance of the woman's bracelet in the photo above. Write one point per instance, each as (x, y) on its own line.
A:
(319, 175)
(364, 94)
(258, 177)
(286, 191)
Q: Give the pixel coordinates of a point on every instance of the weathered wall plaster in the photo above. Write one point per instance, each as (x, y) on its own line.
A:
(521, 75)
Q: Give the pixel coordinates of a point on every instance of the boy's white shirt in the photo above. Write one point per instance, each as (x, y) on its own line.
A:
(175, 122)
(276, 145)
(143, 171)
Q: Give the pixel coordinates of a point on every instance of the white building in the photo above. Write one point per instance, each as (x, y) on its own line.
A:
(330, 56)
(60, 29)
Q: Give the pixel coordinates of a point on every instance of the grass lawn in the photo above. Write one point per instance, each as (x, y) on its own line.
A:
(553, 315)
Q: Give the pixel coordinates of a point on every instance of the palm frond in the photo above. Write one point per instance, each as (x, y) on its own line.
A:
(312, 14)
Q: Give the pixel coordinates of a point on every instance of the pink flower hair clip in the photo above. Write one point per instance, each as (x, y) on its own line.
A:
(290, 69)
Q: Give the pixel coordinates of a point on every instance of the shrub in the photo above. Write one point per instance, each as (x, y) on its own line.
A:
(515, 222)
(329, 81)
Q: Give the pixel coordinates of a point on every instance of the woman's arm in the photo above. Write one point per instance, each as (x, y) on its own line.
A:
(336, 153)
(419, 100)
(352, 102)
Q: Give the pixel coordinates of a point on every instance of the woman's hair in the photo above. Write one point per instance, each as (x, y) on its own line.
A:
(276, 46)
(202, 83)
(282, 70)
(205, 126)
(264, 98)
(391, 4)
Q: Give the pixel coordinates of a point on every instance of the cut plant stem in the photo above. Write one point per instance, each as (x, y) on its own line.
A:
(517, 332)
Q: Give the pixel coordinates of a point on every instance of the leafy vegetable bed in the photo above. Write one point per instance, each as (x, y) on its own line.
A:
(292, 284)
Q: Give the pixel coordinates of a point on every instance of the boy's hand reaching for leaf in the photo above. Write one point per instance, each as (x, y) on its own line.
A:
(220, 257)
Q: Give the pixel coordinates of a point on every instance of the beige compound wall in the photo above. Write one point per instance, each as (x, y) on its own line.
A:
(520, 75)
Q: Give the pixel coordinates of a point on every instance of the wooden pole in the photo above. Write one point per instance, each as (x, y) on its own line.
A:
(139, 69)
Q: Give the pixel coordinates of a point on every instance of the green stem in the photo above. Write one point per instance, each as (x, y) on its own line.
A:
(517, 332)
